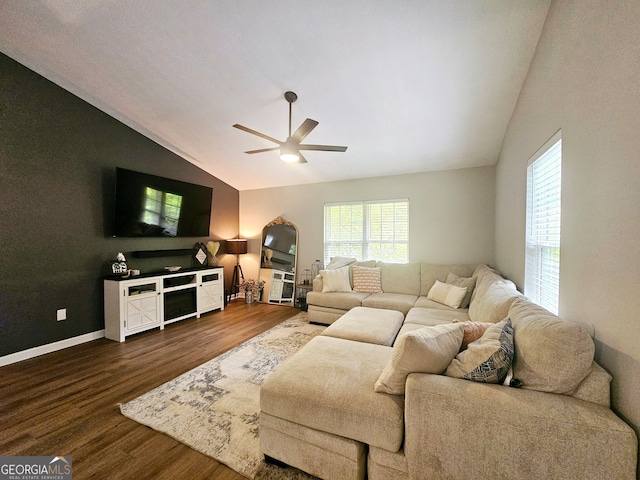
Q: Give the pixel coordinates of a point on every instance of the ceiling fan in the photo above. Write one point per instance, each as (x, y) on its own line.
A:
(290, 148)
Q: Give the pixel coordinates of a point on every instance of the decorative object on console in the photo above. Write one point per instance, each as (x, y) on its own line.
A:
(212, 248)
(120, 265)
(237, 247)
(268, 254)
(251, 289)
(200, 253)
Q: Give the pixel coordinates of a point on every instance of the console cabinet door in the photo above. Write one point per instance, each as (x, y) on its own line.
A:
(210, 291)
(142, 306)
(142, 312)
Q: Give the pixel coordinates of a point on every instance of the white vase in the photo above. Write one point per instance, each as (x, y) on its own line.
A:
(248, 296)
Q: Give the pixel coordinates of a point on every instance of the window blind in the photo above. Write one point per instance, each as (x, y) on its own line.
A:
(367, 230)
(542, 268)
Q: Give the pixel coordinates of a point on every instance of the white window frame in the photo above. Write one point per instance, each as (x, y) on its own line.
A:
(357, 237)
(543, 225)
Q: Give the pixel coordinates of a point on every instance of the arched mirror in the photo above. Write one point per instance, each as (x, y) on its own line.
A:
(278, 256)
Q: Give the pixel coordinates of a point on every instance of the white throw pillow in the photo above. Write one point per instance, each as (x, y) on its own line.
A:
(426, 350)
(339, 262)
(449, 295)
(335, 280)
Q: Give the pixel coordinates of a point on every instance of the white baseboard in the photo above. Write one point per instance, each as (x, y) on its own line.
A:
(50, 347)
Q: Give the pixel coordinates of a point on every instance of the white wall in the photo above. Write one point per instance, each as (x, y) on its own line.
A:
(451, 214)
(585, 80)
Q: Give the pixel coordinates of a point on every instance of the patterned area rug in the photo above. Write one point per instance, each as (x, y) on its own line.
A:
(215, 408)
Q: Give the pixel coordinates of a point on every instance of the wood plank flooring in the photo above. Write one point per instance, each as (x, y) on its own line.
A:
(64, 403)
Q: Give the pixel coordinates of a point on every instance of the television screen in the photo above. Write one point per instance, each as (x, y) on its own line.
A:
(151, 206)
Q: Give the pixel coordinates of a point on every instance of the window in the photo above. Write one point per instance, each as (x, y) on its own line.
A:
(542, 268)
(162, 208)
(376, 230)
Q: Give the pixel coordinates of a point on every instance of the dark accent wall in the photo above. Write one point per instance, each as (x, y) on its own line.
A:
(58, 156)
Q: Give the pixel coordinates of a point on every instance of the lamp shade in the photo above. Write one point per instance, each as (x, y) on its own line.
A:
(237, 246)
(289, 153)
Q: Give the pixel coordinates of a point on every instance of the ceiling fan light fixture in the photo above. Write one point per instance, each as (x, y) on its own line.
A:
(288, 153)
(291, 148)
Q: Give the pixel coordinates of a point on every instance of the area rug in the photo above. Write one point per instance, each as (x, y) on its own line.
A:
(215, 407)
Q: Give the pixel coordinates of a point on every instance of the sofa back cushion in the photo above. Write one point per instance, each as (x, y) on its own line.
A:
(552, 355)
(430, 272)
(494, 305)
(400, 277)
(492, 296)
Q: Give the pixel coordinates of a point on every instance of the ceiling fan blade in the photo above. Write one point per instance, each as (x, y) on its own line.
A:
(266, 137)
(323, 148)
(302, 159)
(263, 150)
(304, 130)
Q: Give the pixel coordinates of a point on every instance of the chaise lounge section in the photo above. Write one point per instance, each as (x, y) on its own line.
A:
(326, 410)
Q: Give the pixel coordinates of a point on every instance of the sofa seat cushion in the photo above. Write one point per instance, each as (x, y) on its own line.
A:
(424, 302)
(390, 301)
(370, 325)
(429, 316)
(328, 386)
(420, 317)
(342, 300)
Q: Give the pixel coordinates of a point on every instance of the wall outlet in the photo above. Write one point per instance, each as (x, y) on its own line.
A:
(61, 314)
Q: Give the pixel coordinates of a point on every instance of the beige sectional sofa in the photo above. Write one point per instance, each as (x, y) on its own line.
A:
(320, 410)
(404, 286)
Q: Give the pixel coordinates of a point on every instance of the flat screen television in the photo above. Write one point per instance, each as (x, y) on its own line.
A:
(152, 206)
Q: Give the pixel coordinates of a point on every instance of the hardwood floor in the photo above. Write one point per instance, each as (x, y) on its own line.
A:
(65, 403)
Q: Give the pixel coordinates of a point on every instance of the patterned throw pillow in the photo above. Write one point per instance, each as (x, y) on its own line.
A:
(489, 358)
(366, 279)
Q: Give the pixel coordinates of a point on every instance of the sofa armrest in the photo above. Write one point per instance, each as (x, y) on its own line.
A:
(461, 429)
(317, 284)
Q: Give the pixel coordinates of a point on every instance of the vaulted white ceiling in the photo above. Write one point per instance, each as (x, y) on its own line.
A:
(409, 86)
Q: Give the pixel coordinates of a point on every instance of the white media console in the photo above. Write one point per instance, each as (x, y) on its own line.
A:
(140, 303)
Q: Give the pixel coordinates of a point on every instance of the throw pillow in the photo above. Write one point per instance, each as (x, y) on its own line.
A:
(458, 281)
(366, 279)
(335, 280)
(426, 350)
(472, 332)
(488, 359)
(449, 295)
(339, 262)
